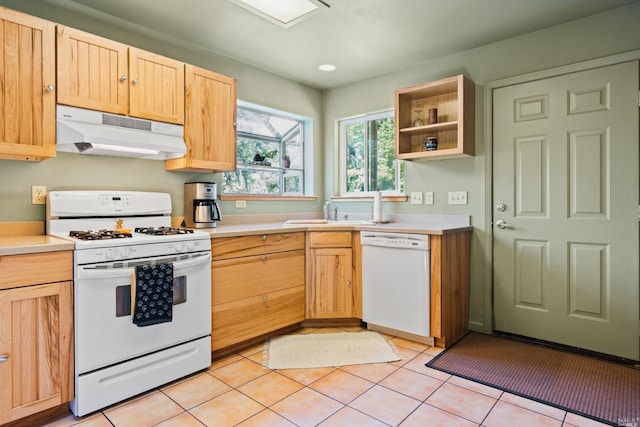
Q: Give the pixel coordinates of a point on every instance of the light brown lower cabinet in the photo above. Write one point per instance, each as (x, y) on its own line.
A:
(333, 291)
(257, 286)
(36, 333)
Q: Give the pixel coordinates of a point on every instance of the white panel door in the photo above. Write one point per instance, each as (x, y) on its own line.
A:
(565, 216)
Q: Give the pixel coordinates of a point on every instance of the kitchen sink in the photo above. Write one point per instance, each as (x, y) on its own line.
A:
(327, 223)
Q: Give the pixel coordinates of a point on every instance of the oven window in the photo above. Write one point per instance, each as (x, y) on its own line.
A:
(123, 296)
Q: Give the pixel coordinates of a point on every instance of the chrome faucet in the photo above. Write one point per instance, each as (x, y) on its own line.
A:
(335, 213)
(325, 210)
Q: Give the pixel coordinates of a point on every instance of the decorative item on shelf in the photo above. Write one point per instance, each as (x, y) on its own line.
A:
(286, 161)
(432, 117)
(418, 121)
(430, 144)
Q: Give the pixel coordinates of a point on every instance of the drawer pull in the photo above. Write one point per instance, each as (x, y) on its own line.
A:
(4, 358)
(264, 237)
(264, 258)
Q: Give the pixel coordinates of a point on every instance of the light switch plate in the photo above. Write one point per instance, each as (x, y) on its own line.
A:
(416, 197)
(428, 197)
(457, 197)
(241, 204)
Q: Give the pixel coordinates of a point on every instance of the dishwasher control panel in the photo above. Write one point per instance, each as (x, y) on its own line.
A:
(395, 240)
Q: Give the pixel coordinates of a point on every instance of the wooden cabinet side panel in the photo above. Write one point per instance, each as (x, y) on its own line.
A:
(210, 118)
(239, 321)
(240, 278)
(39, 372)
(233, 247)
(451, 293)
(357, 276)
(156, 90)
(27, 106)
(33, 269)
(435, 247)
(90, 69)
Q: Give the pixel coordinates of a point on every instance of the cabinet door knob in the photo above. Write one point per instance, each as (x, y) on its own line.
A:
(4, 358)
(349, 283)
(123, 78)
(264, 258)
(49, 88)
(134, 81)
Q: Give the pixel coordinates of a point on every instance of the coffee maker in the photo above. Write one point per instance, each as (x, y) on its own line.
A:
(200, 207)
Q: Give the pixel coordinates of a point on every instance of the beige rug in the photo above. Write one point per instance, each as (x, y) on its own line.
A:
(327, 350)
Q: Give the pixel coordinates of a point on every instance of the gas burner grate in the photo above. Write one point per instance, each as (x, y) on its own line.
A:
(99, 234)
(161, 231)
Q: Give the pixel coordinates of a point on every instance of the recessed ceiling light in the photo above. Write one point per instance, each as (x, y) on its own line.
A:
(283, 12)
(327, 67)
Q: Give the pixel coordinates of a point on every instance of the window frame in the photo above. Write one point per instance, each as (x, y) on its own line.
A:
(342, 125)
(306, 171)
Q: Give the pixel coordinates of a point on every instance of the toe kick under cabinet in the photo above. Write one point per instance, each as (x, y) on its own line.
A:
(257, 286)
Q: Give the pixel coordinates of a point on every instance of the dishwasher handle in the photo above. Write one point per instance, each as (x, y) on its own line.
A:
(395, 240)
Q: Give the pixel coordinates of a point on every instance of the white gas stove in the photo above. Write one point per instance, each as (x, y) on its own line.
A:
(116, 233)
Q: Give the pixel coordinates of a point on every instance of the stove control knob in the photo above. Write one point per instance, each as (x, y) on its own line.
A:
(110, 253)
(125, 251)
(191, 246)
(179, 247)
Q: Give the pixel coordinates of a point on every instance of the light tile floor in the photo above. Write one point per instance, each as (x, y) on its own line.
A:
(238, 391)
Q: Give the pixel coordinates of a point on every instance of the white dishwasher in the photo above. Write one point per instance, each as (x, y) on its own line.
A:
(395, 281)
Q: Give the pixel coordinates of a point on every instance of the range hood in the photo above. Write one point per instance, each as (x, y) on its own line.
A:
(93, 132)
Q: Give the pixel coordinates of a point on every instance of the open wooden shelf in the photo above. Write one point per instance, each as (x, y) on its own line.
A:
(454, 98)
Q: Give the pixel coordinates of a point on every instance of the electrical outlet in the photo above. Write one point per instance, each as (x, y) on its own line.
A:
(428, 197)
(416, 197)
(38, 194)
(457, 197)
(241, 204)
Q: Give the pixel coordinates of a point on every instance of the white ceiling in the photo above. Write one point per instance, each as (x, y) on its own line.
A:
(363, 38)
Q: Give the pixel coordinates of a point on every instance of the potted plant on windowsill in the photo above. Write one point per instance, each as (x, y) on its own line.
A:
(260, 159)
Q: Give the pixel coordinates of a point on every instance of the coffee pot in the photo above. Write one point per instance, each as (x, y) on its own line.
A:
(200, 207)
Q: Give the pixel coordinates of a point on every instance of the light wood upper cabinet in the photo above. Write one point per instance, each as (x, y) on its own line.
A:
(36, 334)
(104, 75)
(210, 117)
(27, 87)
(157, 87)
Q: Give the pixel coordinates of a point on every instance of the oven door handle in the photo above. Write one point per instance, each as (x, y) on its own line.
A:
(89, 272)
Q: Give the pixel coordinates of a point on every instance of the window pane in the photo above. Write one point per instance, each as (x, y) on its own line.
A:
(382, 174)
(292, 182)
(293, 150)
(355, 157)
(248, 148)
(252, 181)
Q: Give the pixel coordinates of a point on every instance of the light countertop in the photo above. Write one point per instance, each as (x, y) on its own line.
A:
(423, 224)
(17, 245)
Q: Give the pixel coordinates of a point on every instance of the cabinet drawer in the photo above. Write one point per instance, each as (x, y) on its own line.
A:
(232, 247)
(329, 239)
(241, 320)
(239, 278)
(37, 268)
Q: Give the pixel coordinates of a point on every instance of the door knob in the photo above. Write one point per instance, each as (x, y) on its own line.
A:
(501, 207)
(501, 224)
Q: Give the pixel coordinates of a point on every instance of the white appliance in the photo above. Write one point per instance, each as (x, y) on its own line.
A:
(115, 231)
(396, 281)
(92, 132)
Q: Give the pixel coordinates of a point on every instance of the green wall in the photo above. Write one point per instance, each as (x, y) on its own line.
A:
(593, 37)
